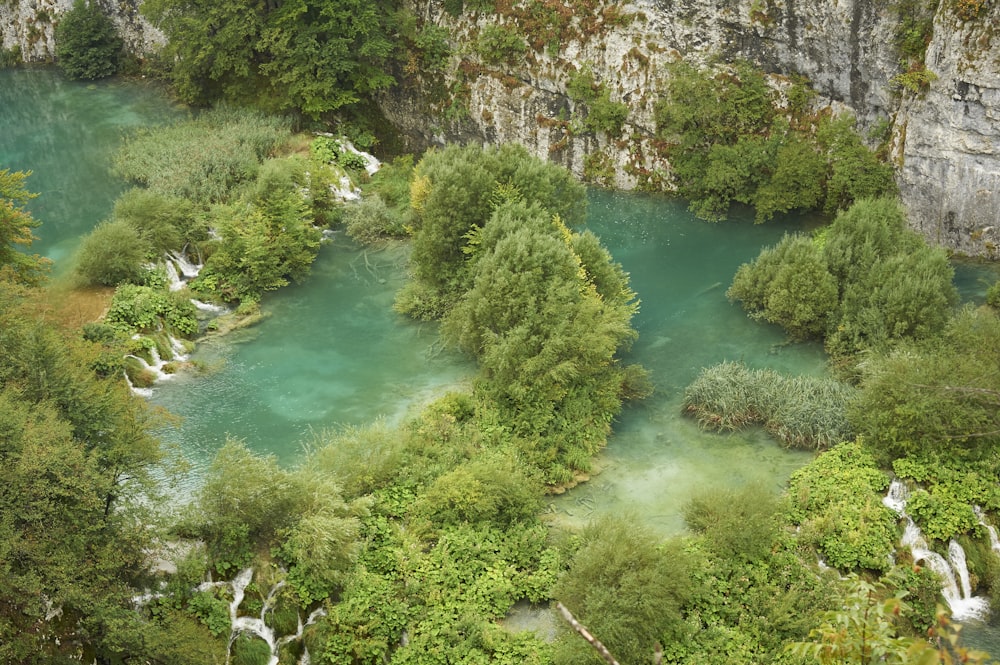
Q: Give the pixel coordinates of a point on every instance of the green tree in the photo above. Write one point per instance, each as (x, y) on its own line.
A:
(111, 254)
(16, 225)
(315, 57)
(628, 590)
(941, 398)
(88, 45)
(788, 284)
(75, 455)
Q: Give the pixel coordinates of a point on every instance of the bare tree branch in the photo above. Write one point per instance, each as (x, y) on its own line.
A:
(585, 634)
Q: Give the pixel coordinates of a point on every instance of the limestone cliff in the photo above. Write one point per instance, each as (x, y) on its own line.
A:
(29, 26)
(945, 139)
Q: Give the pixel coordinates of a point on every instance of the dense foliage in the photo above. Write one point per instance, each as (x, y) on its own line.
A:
(88, 45)
(543, 309)
(731, 140)
(75, 454)
(939, 399)
(867, 282)
(314, 58)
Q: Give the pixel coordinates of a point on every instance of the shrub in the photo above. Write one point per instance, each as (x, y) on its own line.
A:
(627, 589)
(738, 524)
(87, 43)
(836, 500)
(111, 254)
(166, 223)
(145, 309)
(789, 285)
(496, 489)
(498, 44)
(371, 220)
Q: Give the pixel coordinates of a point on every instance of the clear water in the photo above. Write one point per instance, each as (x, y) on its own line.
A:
(330, 353)
(66, 132)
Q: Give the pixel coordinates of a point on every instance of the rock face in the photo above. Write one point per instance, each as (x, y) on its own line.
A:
(29, 26)
(948, 142)
(945, 140)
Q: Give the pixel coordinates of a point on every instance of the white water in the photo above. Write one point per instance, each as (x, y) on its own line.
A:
(158, 364)
(257, 625)
(953, 571)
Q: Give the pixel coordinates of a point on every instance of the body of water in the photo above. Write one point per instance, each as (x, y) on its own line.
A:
(65, 133)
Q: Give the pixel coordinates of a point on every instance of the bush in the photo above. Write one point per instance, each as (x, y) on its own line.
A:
(738, 524)
(371, 220)
(145, 309)
(87, 42)
(111, 254)
(627, 589)
(499, 45)
(165, 223)
(497, 489)
(837, 502)
(789, 285)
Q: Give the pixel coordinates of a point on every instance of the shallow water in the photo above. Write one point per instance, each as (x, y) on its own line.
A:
(66, 132)
(681, 267)
(331, 352)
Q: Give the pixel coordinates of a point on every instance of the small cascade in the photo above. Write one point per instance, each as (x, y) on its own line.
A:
(156, 367)
(953, 571)
(209, 307)
(141, 392)
(345, 190)
(371, 163)
(174, 281)
(990, 529)
(257, 625)
(188, 270)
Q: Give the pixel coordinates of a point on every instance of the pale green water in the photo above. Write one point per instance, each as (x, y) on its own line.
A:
(65, 132)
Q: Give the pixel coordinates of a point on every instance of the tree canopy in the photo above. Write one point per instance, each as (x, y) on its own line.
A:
(16, 231)
(315, 57)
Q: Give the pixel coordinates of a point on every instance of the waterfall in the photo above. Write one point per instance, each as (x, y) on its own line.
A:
(953, 571)
(257, 625)
(990, 529)
(188, 270)
(174, 281)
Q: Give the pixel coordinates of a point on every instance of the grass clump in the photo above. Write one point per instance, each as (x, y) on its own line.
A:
(800, 411)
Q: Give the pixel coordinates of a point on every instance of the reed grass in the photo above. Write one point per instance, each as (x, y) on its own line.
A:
(800, 411)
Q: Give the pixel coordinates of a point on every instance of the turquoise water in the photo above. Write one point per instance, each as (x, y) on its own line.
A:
(66, 132)
(331, 353)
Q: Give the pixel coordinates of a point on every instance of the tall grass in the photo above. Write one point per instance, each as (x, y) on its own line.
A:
(800, 411)
(205, 158)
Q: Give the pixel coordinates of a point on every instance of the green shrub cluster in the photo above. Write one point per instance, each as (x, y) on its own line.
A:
(602, 114)
(499, 44)
(543, 309)
(88, 45)
(728, 141)
(836, 500)
(626, 588)
(145, 309)
(938, 399)
(872, 284)
(800, 411)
